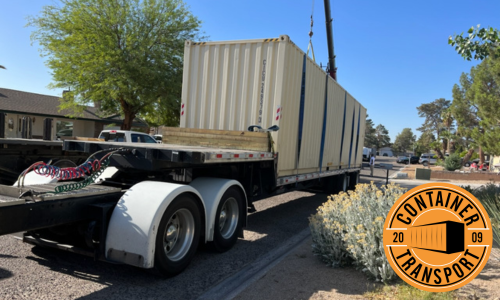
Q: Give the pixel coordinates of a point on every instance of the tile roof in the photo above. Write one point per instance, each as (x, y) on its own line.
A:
(25, 102)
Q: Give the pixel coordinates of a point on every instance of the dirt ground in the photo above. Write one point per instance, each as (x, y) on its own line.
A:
(301, 275)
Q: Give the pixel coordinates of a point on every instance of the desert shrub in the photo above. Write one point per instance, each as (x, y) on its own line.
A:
(348, 228)
(489, 196)
(452, 162)
(439, 162)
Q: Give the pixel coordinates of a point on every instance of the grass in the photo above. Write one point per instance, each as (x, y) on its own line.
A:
(404, 291)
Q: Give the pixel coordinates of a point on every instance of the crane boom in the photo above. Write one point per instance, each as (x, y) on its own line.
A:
(329, 35)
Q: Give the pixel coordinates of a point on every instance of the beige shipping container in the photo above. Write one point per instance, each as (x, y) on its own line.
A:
(231, 85)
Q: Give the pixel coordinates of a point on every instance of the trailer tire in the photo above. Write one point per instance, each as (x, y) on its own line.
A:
(178, 235)
(228, 220)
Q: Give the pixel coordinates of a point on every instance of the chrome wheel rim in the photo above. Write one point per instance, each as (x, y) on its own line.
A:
(228, 217)
(178, 235)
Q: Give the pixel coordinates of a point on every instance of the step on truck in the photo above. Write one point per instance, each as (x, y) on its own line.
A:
(149, 205)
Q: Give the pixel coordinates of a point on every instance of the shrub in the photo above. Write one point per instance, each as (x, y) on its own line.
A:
(348, 228)
(489, 196)
(452, 162)
(439, 162)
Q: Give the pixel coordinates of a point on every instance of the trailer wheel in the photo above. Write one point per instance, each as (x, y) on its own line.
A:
(178, 235)
(228, 219)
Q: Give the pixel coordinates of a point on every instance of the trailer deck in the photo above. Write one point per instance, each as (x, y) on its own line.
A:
(157, 156)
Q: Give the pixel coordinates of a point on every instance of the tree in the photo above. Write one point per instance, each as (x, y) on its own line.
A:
(370, 138)
(433, 114)
(447, 117)
(127, 54)
(382, 138)
(478, 44)
(464, 113)
(423, 145)
(404, 141)
(486, 92)
(476, 107)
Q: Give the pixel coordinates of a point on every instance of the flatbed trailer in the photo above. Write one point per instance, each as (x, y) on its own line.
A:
(150, 205)
(158, 203)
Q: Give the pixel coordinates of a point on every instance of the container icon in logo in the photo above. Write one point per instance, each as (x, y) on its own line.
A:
(445, 237)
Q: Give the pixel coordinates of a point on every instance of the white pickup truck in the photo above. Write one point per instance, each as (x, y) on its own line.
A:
(126, 136)
(427, 159)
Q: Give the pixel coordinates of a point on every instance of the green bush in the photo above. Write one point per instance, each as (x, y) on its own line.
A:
(439, 162)
(348, 228)
(452, 162)
(489, 196)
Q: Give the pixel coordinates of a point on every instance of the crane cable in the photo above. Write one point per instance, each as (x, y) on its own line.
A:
(310, 46)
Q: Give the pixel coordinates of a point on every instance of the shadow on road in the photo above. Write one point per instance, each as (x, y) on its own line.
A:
(269, 228)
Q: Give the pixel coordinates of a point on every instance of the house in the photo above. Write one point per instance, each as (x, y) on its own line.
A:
(385, 151)
(495, 163)
(18, 104)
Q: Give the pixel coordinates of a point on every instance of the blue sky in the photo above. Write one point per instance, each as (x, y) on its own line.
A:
(392, 56)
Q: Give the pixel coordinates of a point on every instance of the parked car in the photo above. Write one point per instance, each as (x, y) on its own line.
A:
(158, 138)
(427, 159)
(402, 159)
(126, 136)
(64, 132)
(467, 164)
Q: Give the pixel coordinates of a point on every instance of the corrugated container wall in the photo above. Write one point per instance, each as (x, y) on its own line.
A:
(234, 84)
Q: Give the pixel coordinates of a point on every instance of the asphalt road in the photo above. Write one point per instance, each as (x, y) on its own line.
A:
(28, 272)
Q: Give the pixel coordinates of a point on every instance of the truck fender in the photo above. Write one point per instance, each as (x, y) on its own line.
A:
(134, 222)
(212, 190)
(108, 173)
(34, 179)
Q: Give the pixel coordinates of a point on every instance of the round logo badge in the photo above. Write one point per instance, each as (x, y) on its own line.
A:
(437, 237)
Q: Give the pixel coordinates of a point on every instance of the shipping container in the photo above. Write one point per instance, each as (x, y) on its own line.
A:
(445, 237)
(234, 84)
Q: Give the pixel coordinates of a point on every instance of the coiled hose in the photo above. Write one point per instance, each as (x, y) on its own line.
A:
(91, 169)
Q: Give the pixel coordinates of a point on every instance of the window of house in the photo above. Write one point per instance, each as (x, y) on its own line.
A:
(10, 124)
(64, 128)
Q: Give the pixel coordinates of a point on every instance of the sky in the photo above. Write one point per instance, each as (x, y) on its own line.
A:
(392, 56)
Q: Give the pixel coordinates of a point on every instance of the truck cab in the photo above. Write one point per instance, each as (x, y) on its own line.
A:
(126, 136)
